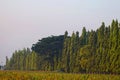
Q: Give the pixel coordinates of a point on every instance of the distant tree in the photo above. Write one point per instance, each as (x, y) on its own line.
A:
(7, 63)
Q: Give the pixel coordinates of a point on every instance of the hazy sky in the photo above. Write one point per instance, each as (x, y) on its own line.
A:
(23, 22)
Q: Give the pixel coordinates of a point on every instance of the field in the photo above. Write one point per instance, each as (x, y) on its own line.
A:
(40, 75)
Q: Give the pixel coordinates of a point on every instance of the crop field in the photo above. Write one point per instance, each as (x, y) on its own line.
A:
(40, 75)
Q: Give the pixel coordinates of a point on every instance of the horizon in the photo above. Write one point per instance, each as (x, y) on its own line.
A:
(24, 22)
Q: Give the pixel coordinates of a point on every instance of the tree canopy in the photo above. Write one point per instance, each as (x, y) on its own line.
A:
(94, 51)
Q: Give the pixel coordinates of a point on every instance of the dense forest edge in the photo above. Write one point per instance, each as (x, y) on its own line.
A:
(93, 52)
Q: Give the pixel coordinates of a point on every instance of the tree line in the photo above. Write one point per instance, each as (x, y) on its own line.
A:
(94, 51)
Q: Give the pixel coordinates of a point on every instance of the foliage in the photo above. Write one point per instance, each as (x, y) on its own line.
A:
(94, 51)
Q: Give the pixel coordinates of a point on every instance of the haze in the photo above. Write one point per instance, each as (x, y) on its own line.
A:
(23, 22)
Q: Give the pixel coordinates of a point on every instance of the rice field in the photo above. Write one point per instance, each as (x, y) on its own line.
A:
(40, 75)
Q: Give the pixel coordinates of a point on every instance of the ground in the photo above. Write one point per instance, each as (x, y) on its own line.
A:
(41, 75)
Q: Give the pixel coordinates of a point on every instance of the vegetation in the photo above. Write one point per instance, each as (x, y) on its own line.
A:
(92, 52)
(37, 75)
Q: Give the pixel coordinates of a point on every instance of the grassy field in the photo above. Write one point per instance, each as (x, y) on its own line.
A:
(38, 75)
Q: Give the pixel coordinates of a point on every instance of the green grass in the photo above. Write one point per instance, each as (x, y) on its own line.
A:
(40, 75)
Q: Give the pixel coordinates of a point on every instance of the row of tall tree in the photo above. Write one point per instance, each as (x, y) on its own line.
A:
(22, 60)
(94, 51)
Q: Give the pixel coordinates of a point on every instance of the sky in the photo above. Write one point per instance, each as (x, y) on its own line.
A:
(23, 22)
